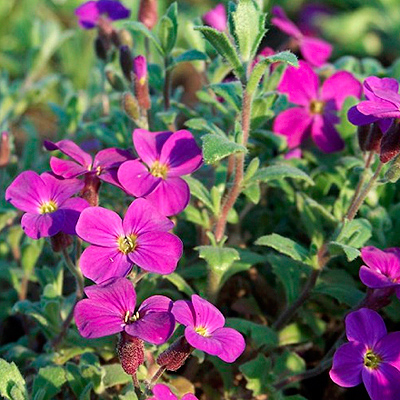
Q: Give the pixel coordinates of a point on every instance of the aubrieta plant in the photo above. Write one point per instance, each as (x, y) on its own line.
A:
(179, 236)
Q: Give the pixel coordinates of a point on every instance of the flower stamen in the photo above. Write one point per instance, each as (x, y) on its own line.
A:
(127, 244)
(48, 207)
(317, 107)
(201, 330)
(159, 170)
(372, 360)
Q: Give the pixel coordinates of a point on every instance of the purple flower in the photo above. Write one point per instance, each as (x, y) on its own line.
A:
(141, 238)
(165, 156)
(205, 329)
(309, 16)
(104, 165)
(317, 111)
(89, 13)
(382, 104)
(382, 269)
(46, 202)
(372, 356)
(293, 153)
(163, 392)
(110, 309)
(140, 69)
(315, 51)
(216, 18)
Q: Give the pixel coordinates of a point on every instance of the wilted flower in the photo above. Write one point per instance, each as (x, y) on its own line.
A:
(163, 392)
(47, 203)
(315, 51)
(205, 329)
(372, 356)
(317, 111)
(164, 158)
(141, 238)
(216, 18)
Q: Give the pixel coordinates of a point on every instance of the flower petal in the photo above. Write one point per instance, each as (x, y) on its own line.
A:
(157, 252)
(68, 147)
(72, 210)
(207, 315)
(181, 153)
(136, 179)
(42, 225)
(281, 21)
(387, 263)
(293, 123)
(382, 109)
(156, 303)
(189, 396)
(373, 83)
(114, 9)
(374, 279)
(163, 392)
(388, 348)
(232, 342)
(102, 263)
(148, 145)
(60, 189)
(171, 196)
(66, 168)
(142, 217)
(357, 118)
(348, 363)
(88, 15)
(315, 51)
(300, 84)
(382, 383)
(325, 134)
(100, 226)
(365, 326)
(184, 312)
(111, 158)
(207, 344)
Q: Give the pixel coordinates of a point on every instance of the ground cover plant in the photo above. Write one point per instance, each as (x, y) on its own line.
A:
(199, 201)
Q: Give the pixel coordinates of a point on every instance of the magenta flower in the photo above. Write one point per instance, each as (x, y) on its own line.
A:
(163, 392)
(315, 51)
(382, 104)
(47, 203)
(90, 13)
(140, 69)
(216, 18)
(110, 309)
(382, 269)
(372, 356)
(317, 109)
(141, 238)
(205, 329)
(165, 157)
(104, 165)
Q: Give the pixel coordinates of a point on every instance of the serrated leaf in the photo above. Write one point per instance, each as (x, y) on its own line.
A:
(180, 283)
(336, 248)
(11, 377)
(274, 172)
(219, 259)
(355, 233)
(217, 147)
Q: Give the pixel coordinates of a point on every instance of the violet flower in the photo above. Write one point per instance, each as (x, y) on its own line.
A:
(382, 104)
(47, 203)
(141, 85)
(315, 51)
(104, 165)
(372, 356)
(317, 109)
(216, 18)
(164, 158)
(90, 13)
(163, 392)
(141, 238)
(110, 308)
(205, 329)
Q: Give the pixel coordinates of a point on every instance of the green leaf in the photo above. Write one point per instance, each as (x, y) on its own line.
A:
(217, 147)
(167, 34)
(231, 92)
(6, 217)
(198, 190)
(252, 168)
(139, 27)
(12, 384)
(191, 55)
(224, 47)
(289, 363)
(49, 379)
(180, 283)
(219, 259)
(30, 253)
(253, 192)
(115, 375)
(336, 248)
(274, 172)
(285, 246)
(258, 374)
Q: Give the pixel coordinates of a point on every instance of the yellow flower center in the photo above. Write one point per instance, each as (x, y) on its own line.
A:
(159, 170)
(48, 207)
(201, 331)
(372, 360)
(129, 318)
(127, 244)
(317, 107)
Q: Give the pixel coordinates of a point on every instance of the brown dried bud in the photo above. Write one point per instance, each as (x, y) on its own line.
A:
(115, 80)
(373, 142)
(60, 241)
(130, 352)
(4, 149)
(390, 143)
(101, 48)
(176, 354)
(126, 62)
(130, 106)
(148, 13)
(90, 191)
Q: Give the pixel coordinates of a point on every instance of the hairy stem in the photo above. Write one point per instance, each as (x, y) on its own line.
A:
(155, 378)
(167, 85)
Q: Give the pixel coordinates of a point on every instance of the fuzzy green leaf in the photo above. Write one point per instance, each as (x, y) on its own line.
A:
(281, 172)
(217, 147)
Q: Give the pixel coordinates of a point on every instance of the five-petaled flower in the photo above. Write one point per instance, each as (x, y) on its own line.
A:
(164, 158)
(317, 109)
(372, 356)
(110, 308)
(205, 329)
(315, 51)
(46, 200)
(163, 392)
(141, 238)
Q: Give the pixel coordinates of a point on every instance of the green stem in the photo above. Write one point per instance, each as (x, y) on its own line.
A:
(167, 85)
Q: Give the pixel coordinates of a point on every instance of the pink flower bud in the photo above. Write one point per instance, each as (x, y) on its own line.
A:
(141, 87)
(175, 356)
(130, 352)
(4, 149)
(148, 13)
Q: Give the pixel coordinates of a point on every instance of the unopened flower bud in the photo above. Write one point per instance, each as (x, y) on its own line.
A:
(176, 354)
(141, 86)
(148, 13)
(125, 38)
(115, 80)
(130, 106)
(60, 241)
(125, 60)
(4, 149)
(390, 143)
(101, 48)
(362, 135)
(130, 352)
(373, 142)
(393, 173)
(90, 191)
